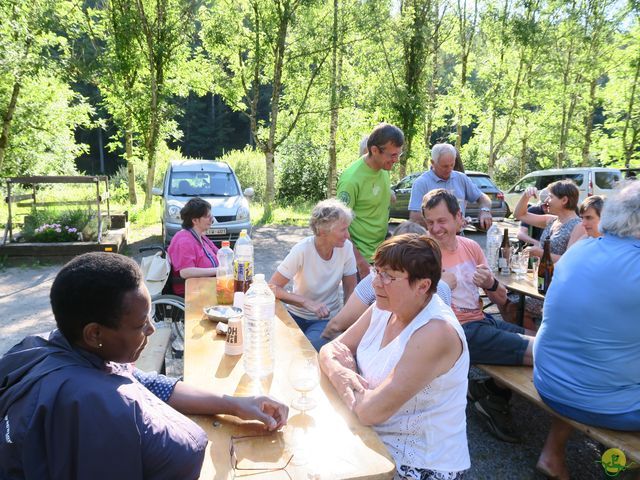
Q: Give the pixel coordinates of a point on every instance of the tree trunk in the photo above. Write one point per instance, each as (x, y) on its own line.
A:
(152, 139)
(6, 122)
(131, 174)
(627, 147)
(588, 124)
(523, 156)
(333, 125)
(270, 184)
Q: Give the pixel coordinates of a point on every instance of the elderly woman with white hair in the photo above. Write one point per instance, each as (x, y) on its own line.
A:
(586, 355)
(317, 265)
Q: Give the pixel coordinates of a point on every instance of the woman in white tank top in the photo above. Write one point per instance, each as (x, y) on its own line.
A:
(402, 367)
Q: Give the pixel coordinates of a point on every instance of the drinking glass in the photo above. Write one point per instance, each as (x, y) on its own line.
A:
(519, 262)
(304, 376)
(535, 263)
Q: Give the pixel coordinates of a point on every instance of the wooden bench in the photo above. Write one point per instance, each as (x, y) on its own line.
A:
(520, 380)
(152, 357)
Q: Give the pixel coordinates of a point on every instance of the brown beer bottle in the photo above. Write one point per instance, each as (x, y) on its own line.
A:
(545, 269)
(504, 254)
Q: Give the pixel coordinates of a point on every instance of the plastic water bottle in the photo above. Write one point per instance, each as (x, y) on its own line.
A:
(259, 329)
(225, 278)
(243, 263)
(494, 239)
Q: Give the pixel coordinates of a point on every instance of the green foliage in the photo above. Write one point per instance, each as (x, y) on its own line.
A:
(302, 173)
(249, 167)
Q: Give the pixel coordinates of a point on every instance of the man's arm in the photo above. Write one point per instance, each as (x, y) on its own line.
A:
(485, 217)
(418, 191)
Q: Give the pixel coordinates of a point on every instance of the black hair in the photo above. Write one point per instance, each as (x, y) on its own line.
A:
(90, 288)
(194, 208)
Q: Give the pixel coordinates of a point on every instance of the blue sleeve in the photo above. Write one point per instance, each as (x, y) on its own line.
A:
(160, 385)
(472, 192)
(418, 191)
(364, 290)
(444, 292)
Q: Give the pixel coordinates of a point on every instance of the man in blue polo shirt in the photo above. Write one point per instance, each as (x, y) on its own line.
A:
(442, 175)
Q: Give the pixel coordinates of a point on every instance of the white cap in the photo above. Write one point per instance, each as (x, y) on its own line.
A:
(259, 278)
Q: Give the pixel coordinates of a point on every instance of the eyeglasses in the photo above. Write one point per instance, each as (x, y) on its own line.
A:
(251, 471)
(392, 155)
(385, 278)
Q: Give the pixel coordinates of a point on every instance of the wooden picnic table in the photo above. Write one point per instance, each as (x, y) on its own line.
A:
(335, 444)
(525, 287)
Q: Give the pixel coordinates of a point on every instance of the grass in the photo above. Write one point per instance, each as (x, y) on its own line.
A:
(282, 214)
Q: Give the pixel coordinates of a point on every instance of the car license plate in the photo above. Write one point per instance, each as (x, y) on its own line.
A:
(217, 231)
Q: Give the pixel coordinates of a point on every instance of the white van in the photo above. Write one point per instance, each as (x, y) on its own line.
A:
(590, 181)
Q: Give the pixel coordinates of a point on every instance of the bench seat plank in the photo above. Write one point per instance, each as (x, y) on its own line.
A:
(152, 357)
(520, 380)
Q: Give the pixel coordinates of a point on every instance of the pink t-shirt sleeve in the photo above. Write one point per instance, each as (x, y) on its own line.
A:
(183, 251)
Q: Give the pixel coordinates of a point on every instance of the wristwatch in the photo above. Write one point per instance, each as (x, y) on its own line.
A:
(485, 209)
(495, 285)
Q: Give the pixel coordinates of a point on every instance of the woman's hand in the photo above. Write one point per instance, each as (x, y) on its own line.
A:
(530, 192)
(267, 410)
(348, 383)
(319, 308)
(535, 251)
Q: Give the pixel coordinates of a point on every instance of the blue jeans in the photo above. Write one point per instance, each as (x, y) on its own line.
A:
(312, 329)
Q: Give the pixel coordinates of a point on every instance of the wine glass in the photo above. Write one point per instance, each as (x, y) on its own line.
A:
(304, 376)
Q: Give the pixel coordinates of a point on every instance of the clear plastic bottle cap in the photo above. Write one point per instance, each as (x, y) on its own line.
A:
(258, 278)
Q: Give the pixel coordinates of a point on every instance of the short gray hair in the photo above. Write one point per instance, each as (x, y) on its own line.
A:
(440, 149)
(621, 212)
(409, 227)
(328, 212)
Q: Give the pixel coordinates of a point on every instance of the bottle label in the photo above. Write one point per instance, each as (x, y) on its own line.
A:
(242, 271)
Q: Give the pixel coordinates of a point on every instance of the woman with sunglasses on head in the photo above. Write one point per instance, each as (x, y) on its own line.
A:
(403, 367)
(192, 253)
(562, 225)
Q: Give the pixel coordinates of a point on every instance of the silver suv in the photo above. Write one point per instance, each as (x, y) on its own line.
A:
(217, 183)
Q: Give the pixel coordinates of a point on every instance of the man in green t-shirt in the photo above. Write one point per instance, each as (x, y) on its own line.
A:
(365, 187)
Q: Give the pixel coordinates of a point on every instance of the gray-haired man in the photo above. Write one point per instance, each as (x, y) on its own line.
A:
(442, 175)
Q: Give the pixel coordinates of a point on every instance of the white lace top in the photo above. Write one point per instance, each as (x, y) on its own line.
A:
(428, 431)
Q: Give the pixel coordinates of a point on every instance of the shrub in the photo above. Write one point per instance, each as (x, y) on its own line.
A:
(303, 174)
(250, 169)
(42, 225)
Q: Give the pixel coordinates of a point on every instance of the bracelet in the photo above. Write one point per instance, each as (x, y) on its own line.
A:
(494, 287)
(485, 209)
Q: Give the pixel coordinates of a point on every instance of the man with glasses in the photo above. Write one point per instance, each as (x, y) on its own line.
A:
(442, 175)
(365, 187)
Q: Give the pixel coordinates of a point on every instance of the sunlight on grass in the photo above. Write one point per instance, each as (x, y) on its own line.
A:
(283, 215)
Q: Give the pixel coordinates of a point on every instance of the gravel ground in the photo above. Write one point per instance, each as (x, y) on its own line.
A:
(24, 310)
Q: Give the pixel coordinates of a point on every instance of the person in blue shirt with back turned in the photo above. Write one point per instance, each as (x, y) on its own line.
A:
(72, 406)
(586, 354)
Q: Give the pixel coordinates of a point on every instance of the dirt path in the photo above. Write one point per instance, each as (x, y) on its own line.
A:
(24, 291)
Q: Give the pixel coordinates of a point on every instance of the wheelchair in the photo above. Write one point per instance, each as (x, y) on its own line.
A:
(167, 308)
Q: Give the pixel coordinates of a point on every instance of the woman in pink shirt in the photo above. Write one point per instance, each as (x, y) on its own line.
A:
(192, 253)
